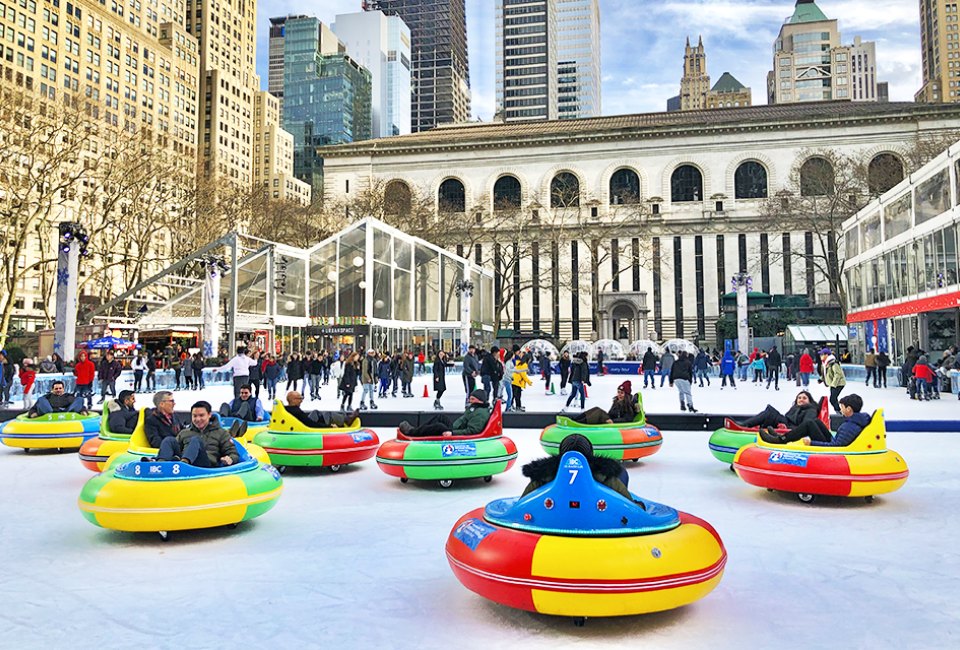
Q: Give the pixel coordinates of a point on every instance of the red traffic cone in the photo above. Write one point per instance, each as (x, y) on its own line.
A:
(585, 393)
(426, 393)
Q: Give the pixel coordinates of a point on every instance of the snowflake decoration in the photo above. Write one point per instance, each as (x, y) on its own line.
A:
(63, 277)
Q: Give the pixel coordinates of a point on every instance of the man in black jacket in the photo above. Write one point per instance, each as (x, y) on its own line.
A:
(491, 372)
(108, 371)
(123, 413)
(681, 376)
(774, 360)
(57, 401)
(564, 371)
(471, 369)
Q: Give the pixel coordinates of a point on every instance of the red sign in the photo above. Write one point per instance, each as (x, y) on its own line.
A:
(908, 308)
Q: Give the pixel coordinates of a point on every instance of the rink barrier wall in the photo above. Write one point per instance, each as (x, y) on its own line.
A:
(537, 421)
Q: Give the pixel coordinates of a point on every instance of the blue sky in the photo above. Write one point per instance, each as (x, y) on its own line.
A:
(643, 42)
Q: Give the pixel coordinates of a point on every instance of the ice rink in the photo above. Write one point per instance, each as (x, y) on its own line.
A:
(356, 560)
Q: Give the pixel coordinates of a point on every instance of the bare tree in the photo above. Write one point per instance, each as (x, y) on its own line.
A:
(42, 146)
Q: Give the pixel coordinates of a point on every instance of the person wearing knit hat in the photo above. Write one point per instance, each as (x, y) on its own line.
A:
(606, 471)
(472, 422)
(623, 409)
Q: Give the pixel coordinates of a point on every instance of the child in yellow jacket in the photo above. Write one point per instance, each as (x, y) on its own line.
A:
(520, 381)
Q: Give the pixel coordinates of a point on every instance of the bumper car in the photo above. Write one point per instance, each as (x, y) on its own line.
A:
(864, 468)
(145, 496)
(290, 443)
(95, 453)
(51, 431)
(620, 441)
(726, 442)
(576, 548)
(451, 458)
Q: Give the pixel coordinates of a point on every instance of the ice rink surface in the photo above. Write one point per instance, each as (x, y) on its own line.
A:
(356, 560)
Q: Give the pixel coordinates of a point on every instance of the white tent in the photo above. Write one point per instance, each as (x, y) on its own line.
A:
(676, 345)
(576, 347)
(639, 348)
(541, 346)
(612, 350)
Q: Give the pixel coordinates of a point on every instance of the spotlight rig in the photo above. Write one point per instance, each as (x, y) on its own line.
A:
(70, 232)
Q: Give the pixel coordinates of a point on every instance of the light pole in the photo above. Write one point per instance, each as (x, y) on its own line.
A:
(465, 290)
(73, 244)
(215, 266)
(742, 284)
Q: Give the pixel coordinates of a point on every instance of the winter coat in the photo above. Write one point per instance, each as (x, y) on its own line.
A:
(490, 367)
(666, 362)
(833, 373)
(295, 369)
(270, 369)
(368, 369)
(109, 370)
(383, 370)
(870, 360)
(846, 432)
(472, 422)
(883, 360)
(681, 369)
(84, 371)
(606, 471)
(520, 378)
(157, 427)
(471, 365)
(728, 365)
(623, 410)
(923, 371)
(508, 367)
(579, 371)
(407, 369)
(27, 377)
(774, 361)
(216, 442)
(122, 419)
(314, 366)
(564, 367)
(797, 414)
(758, 364)
(649, 361)
(440, 374)
(138, 363)
(348, 383)
(806, 364)
(48, 366)
(188, 367)
(702, 362)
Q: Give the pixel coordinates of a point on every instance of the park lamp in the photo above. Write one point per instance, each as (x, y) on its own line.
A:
(214, 263)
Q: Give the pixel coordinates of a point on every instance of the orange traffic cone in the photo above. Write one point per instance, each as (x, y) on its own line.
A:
(585, 393)
(426, 393)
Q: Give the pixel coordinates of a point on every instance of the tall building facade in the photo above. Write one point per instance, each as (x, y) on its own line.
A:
(136, 71)
(810, 64)
(695, 83)
(547, 59)
(939, 32)
(275, 61)
(326, 95)
(441, 69)
(273, 153)
(381, 44)
(526, 60)
(227, 37)
(578, 59)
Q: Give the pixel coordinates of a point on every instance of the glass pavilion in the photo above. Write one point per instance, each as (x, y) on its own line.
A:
(370, 285)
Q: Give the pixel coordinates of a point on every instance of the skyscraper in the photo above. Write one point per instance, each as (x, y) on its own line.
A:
(810, 64)
(227, 39)
(527, 60)
(326, 96)
(939, 32)
(441, 70)
(695, 83)
(381, 44)
(275, 70)
(548, 59)
(578, 58)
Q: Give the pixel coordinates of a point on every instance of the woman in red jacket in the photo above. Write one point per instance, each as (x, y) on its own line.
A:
(806, 367)
(924, 379)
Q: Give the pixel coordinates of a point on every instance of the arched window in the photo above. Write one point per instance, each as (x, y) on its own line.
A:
(507, 193)
(686, 184)
(816, 177)
(565, 191)
(885, 171)
(750, 181)
(624, 187)
(452, 196)
(396, 199)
